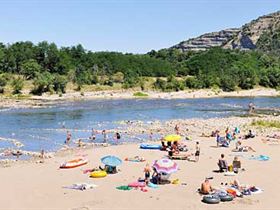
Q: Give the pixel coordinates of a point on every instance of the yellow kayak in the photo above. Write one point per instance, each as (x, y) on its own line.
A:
(98, 174)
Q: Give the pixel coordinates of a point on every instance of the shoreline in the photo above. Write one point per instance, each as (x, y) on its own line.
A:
(46, 99)
(190, 128)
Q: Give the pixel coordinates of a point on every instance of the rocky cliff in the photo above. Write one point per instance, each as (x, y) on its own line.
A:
(245, 37)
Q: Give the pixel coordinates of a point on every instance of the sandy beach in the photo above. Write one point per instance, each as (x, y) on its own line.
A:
(40, 185)
(34, 101)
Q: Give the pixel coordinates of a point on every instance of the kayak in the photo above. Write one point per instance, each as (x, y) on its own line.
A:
(74, 163)
(98, 174)
(150, 146)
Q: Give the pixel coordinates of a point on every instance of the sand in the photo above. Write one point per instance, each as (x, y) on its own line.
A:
(40, 185)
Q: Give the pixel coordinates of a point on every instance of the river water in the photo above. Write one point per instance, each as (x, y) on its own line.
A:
(42, 128)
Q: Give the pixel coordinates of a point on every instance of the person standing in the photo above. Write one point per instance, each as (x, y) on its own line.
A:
(176, 129)
(197, 152)
(105, 136)
(93, 135)
(68, 137)
(251, 107)
(117, 137)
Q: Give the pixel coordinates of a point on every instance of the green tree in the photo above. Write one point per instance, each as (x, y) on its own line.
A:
(30, 68)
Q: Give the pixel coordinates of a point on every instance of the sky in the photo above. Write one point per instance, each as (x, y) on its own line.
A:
(133, 26)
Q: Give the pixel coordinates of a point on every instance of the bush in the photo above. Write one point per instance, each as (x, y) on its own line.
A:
(118, 77)
(59, 83)
(3, 82)
(42, 83)
(160, 84)
(192, 83)
(17, 85)
(140, 94)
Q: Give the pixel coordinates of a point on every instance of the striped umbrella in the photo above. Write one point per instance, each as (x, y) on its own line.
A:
(165, 166)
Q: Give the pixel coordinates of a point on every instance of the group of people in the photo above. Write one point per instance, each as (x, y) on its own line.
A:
(224, 167)
(117, 137)
(155, 178)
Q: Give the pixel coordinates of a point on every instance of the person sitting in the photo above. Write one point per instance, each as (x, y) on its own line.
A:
(206, 187)
(249, 135)
(156, 177)
(214, 133)
(169, 144)
(163, 146)
(236, 130)
(229, 136)
(236, 164)
(109, 169)
(222, 163)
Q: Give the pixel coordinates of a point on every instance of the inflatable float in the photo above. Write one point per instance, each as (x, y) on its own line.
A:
(211, 199)
(74, 163)
(150, 146)
(225, 197)
(98, 174)
(137, 184)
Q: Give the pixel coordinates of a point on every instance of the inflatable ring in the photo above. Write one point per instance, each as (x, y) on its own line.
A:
(210, 199)
(98, 174)
(226, 197)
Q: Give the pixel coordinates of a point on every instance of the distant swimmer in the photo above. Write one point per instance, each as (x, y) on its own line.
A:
(251, 107)
(68, 137)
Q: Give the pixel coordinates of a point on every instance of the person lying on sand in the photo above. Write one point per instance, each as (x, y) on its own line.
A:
(213, 134)
(274, 136)
(135, 159)
(240, 148)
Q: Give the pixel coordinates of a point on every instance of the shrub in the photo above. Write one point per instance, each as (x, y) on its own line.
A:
(17, 85)
(140, 94)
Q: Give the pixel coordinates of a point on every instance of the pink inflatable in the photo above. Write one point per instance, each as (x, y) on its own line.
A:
(137, 184)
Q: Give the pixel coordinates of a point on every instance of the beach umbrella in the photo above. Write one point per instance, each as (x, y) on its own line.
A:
(172, 137)
(166, 166)
(111, 160)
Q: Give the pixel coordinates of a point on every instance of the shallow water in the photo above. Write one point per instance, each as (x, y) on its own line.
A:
(44, 128)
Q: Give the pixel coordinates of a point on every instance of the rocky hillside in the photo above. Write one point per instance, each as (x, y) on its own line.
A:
(252, 35)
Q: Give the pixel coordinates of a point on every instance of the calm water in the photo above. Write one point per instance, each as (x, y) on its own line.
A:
(42, 128)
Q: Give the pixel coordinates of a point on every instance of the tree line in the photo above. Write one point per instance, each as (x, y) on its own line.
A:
(50, 68)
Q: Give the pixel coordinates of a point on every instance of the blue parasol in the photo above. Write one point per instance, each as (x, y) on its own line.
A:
(111, 161)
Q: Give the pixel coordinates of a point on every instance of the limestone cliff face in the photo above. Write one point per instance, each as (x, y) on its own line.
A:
(244, 38)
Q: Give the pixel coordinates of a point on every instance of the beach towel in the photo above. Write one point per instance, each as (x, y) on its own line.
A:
(81, 186)
(260, 158)
(255, 190)
(124, 187)
(152, 185)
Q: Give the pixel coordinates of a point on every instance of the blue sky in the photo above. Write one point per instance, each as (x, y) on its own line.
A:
(135, 26)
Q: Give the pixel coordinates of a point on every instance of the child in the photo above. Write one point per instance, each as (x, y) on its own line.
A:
(147, 171)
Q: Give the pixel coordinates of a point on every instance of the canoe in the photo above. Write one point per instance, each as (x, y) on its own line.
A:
(74, 163)
(98, 174)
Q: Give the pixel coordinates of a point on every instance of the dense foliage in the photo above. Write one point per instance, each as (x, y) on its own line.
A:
(227, 69)
(50, 68)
